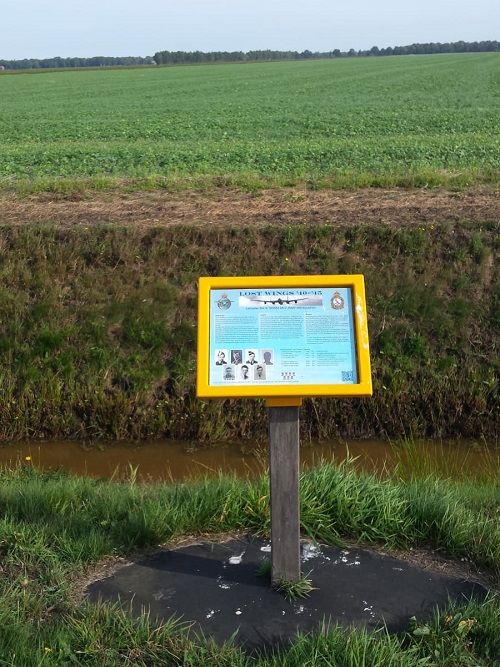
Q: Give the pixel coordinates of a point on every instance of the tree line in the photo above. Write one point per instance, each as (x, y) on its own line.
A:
(187, 57)
(57, 62)
(192, 57)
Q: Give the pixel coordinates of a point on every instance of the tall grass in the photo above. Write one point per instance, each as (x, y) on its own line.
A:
(85, 518)
(413, 459)
(108, 636)
(54, 527)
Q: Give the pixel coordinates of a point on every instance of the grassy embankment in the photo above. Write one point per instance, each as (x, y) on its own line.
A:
(54, 527)
(99, 325)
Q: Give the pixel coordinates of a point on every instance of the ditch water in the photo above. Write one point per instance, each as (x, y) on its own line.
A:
(179, 461)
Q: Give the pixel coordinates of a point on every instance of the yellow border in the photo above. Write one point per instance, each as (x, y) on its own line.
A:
(355, 282)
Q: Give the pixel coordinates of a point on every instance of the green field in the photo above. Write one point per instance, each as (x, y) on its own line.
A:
(344, 122)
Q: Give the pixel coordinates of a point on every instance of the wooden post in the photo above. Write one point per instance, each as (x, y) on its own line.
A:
(284, 479)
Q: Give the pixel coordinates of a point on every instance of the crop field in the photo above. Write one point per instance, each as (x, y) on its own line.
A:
(344, 122)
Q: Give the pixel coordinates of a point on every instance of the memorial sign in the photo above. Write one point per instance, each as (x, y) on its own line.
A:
(283, 336)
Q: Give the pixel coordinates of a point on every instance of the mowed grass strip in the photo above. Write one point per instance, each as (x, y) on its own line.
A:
(404, 120)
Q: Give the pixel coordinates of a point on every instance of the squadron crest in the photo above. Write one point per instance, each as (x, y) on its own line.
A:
(224, 303)
(337, 302)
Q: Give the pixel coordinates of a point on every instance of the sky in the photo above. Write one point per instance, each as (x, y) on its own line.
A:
(85, 28)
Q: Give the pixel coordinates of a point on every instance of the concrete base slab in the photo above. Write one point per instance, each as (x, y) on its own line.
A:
(216, 587)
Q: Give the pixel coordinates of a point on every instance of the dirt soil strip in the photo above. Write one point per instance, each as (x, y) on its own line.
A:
(232, 207)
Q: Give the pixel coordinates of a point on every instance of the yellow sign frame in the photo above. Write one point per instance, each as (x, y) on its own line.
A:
(284, 394)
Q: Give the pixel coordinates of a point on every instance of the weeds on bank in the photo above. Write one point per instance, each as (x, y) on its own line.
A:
(98, 331)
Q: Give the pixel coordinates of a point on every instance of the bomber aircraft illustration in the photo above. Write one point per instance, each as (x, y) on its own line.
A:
(280, 301)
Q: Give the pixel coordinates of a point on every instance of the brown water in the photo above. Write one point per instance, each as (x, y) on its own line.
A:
(178, 461)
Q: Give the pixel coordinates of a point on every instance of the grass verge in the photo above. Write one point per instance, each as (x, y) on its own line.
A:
(54, 527)
(423, 177)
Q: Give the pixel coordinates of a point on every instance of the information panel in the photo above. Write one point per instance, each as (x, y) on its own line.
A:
(283, 336)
